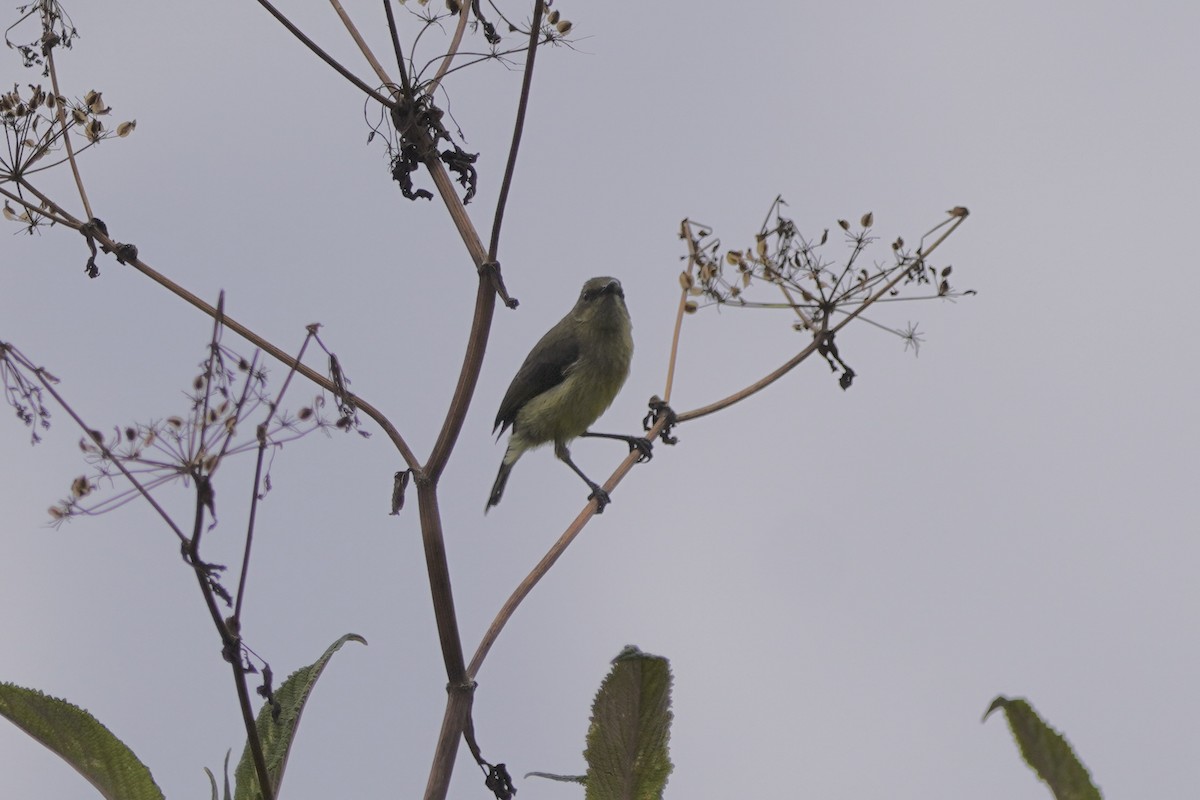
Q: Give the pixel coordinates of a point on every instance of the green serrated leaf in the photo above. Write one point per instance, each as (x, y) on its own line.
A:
(1046, 751)
(277, 734)
(627, 743)
(81, 741)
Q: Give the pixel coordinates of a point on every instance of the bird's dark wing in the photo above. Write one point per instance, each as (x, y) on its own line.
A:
(545, 367)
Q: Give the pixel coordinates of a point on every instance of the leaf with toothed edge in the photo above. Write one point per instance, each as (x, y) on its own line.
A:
(277, 728)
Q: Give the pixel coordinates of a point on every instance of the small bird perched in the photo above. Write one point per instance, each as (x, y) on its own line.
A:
(567, 381)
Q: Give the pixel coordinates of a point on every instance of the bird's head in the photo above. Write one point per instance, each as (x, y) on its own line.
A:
(603, 300)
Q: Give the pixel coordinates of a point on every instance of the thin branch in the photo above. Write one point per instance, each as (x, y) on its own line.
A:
(518, 129)
(231, 647)
(752, 388)
(252, 337)
(62, 119)
(272, 408)
(685, 232)
(455, 43)
(923, 253)
(391, 20)
(67, 221)
(108, 454)
(253, 515)
(468, 376)
(380, 72)
(328, 59)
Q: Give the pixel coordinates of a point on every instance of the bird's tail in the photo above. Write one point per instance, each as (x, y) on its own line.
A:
(498, 487)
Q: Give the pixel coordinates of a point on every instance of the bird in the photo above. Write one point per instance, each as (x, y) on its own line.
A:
(567, 381)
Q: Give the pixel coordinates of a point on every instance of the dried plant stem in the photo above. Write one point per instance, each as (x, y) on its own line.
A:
(757, 386)
(247, 334)
(448, 59)
(380, 72)
(922, 253)
(328, 59)
(62, 124)
(518, 128)
(66, 221)
(231, 644)
(811, 348)
(258, 465)
(87, 432)
(397, 50)
(685, 233)
(458, 700)
(791, 301)
(252, 516)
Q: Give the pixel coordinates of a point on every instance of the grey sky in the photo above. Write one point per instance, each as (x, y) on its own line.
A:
(842, 580)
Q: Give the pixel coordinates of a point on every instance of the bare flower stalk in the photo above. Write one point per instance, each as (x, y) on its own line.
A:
(261, 435)
(328, 59)
(380, 72)
(956, 218)
(452, 51)
(99, 442)
(58, 218)
(62, 114)
(685, 233)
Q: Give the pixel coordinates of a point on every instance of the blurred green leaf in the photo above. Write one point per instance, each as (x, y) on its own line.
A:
(81, 741)
(1046, 751)
(627, 742)
(278, 733)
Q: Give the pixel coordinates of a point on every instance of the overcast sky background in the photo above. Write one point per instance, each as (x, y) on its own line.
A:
(842, 580)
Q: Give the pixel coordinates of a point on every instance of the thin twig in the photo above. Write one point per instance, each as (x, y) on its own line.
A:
(518, 129)
(272, 408)
(685, 232)
(395, 33)
(67, 221)
(253, 515)
(252, 337)
(753, 388)
(62, 117)
(328, 59)
(109, 455)
(380, 72)
(455, 43)
(231, 647)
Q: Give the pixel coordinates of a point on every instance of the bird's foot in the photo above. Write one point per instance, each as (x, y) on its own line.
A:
(643, 446)
(600, 496)
(660, 410)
